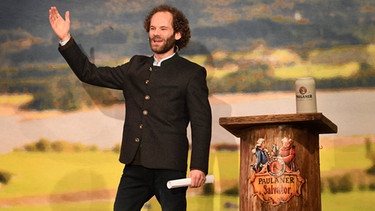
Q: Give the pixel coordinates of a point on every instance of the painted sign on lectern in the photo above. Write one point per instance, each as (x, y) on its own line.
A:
(276, 178)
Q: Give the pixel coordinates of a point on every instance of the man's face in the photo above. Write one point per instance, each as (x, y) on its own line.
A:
(161, 35)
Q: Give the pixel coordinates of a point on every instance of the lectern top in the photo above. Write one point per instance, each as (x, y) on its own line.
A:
(316, 121)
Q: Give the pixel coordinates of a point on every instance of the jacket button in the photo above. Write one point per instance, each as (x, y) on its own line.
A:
(136, 140)
(140, 126)
(144, 112)
(147, 97)
(150, 69)
(147, 82)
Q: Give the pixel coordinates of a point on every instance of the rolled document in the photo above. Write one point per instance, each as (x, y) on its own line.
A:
(186, 182)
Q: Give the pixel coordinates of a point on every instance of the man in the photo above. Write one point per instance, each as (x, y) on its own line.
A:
(288, 154)
(261, 154)
(163, 93)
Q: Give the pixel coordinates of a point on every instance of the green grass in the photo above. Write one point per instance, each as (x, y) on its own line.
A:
(342, 201)
(69, 172)
(224, 165)
(338, 62)
(87, 206)
(348, 201)
(320, 71)
(44, 173)
(196, 203)
(344, 158)
(15, 100)
(199, 59)
(51, 173)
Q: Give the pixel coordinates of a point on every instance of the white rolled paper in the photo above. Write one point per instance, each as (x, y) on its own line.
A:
(186, 182)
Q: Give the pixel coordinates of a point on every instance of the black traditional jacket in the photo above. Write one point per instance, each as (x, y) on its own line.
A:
(160, 103)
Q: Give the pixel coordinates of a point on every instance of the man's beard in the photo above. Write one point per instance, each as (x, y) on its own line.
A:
(165, 47)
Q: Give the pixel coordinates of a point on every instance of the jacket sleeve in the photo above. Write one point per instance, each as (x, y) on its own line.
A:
(109, 77)
(200, 119)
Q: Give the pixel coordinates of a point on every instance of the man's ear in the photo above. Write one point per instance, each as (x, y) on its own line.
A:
(177, 35)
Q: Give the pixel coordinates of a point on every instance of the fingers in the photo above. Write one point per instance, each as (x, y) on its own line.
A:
(60, 26)
(53, 15)
(198, 178)
(67, 16)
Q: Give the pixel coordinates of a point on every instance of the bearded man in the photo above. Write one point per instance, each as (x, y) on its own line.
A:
(163, 94)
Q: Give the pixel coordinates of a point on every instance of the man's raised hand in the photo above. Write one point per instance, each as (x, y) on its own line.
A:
(60, 26)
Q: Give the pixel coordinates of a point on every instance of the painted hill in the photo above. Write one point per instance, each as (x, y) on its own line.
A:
(114, 28)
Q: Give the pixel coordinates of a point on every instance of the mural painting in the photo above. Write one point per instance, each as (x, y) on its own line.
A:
(277, 178)
(59, 138)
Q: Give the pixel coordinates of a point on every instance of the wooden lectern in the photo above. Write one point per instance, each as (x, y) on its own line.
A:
(279, 160)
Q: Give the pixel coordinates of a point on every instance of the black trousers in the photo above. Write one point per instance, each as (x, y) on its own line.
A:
(139, 184)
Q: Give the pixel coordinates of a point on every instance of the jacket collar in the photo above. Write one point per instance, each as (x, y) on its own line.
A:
(165, 61)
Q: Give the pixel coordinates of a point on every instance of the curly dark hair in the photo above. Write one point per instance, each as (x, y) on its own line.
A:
(180, 23)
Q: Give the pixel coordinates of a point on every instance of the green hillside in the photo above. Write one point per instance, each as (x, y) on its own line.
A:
(257, 46)
(47, 174)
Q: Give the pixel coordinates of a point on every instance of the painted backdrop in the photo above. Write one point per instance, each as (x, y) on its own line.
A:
(51, 124)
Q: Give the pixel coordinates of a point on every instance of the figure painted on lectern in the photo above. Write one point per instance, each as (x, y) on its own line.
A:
(261, 154)
(288, 153)
(274, 176)
(285, 155)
